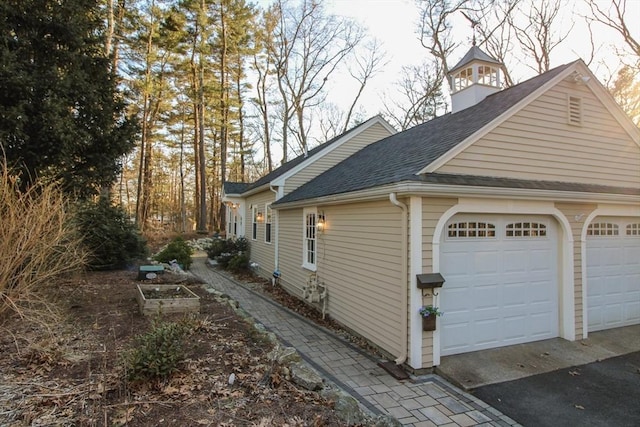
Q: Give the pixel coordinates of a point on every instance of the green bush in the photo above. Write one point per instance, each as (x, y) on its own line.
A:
(114, 241)
(239, 263)
(231, 254)
(179, 250)
(158, 353)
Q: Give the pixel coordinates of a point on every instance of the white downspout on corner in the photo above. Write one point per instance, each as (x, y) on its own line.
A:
(404, 293)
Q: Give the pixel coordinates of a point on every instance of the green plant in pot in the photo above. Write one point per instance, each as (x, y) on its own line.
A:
(429, 314)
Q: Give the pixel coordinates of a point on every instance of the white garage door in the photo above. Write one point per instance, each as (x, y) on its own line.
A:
(501, 284)
(613, 273)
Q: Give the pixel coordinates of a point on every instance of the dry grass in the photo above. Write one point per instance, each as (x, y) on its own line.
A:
(37, 247)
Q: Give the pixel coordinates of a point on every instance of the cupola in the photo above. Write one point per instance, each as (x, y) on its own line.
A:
(473, 78)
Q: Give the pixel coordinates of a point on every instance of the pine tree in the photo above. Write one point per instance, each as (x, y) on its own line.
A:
(61, 117)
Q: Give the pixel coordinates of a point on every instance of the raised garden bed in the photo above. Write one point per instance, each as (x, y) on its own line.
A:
(165, 299)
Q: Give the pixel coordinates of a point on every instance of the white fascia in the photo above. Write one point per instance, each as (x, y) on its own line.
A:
(601, 210)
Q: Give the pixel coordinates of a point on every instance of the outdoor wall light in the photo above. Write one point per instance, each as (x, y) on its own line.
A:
(321, 225)
(259, 217)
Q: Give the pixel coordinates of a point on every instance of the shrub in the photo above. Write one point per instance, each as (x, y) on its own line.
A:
(112, 239)
(239, 263)
(231, 254)
(38, 245)
(158, 353)
(177, 249)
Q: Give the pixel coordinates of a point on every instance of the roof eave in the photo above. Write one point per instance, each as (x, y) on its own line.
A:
(413, 188)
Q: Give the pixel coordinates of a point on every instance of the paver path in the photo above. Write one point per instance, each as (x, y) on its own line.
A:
(421, 401)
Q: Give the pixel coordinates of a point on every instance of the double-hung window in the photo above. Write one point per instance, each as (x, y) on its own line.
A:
(310, 248)
(267, 223)
(254, 222)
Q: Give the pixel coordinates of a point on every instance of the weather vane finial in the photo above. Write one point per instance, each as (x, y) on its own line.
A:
(474, 24)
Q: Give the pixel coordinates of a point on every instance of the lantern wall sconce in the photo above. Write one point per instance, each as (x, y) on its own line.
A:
(259, 217)
(321, 225)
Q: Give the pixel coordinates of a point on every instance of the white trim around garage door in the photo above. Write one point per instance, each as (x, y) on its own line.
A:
(631, 211)
(488, 206)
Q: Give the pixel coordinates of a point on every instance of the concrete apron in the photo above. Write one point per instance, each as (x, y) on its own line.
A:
(476, 369)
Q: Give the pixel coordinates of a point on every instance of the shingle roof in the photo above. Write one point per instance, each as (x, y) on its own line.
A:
(295, 162)
(474, 53)
(235, 187)
(401, 156)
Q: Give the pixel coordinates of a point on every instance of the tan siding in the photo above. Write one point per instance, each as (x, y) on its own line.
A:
(359, 260)
(537, 143)
(579, 211)
(432, 211)
(261, 253)
(374, 133)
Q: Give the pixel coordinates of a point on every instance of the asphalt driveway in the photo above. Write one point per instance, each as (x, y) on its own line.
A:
(605, 393)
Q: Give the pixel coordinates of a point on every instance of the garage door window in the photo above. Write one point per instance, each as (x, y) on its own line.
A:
(602, 229)
(526, 229)
(633, 230)
(472, 230)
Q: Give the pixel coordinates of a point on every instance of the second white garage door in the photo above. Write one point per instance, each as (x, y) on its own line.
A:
(613, 273)
(501, 284)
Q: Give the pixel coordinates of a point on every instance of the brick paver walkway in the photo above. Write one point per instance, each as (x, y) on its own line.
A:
(422, 401)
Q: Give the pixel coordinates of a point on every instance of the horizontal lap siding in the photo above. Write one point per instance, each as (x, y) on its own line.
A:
(537, 143)
(359, 260)
(571, 212)
(374, 133)
(261, 252)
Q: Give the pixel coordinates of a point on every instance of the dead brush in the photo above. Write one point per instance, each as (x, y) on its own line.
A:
(38, 246)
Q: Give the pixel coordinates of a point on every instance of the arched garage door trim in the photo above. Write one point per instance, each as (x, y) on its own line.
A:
(632, 211)
(567, 309)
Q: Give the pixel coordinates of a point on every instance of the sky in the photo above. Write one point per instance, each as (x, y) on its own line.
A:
(395, 23)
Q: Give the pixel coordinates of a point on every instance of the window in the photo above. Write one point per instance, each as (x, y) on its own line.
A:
(463, 79)
(526, 229)
(235, 223)
(230, 217)
(309, 239)
(574, 110)
(267, 224)
(602, 229)
(633, 229)
(487, 75)
(471, 229)
(254, 222)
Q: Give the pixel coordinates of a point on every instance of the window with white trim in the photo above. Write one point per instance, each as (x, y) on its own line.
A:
(230, 217)
(526, 229)
(574, 110)
(488, 75)
(235, 222)
(633, 229)
(463, 79)
(254, 222)
(602, 229)
(267, 223)
(309, 246)
(471, 229)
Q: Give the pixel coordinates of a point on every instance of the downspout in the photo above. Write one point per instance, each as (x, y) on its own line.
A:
(277, 241)
(404, 293)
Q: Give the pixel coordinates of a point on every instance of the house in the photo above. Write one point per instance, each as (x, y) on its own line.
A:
(248, 205)
(526, 200)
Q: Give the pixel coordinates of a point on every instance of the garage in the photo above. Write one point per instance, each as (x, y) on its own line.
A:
(501, 285)
(613, 273)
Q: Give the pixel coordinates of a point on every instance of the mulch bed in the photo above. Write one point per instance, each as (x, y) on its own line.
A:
(72, 372)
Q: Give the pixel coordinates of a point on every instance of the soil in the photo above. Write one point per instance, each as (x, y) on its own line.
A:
(73, 372)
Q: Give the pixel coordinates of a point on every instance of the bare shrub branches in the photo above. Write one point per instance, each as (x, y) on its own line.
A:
(37, 245)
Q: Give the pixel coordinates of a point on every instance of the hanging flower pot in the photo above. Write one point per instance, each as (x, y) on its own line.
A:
(429, 323)
(429, 314)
